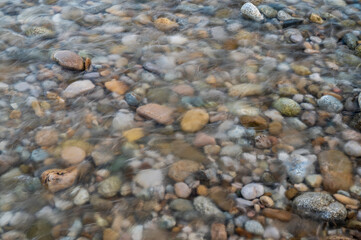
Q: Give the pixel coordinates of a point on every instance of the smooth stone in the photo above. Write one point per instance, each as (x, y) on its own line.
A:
(338, 3)
(352, 148)
(149, 178)
(221, 197)
(300, 69)
(118, 87)
(319, 206)
(81, 197)
(202, 139)
(109, 187)
(77, 88)
(167, 222)
(69, 59)
(314, 180)
(73, 155)
(246, 89)
(252, 191)
(181, 205)
(182, 190)
(194, 120)
(46, 137)
(287, 107)
(251, 11)
(123, 120)
(268, 11)
(254, 227)
(159, 113)
(278, 214)
(218, 231)
(330, 104)
(39, 155)
(180, 170)
(206, 207)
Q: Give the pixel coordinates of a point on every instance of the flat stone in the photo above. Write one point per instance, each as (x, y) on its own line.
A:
(256, 122)
(46, 137)
(336, 170)
(81, 197)
(181, 205)
(77, 88)
(69, 59)
(159, 113)
(202, 139)
(109, 187)
(194, 120)
(149, 178)
(73, 155)
(319, 206)
(180, 170)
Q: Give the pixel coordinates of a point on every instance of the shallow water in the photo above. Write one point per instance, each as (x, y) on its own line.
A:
(192, 120)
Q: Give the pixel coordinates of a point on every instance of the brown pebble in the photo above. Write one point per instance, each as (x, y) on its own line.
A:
(291, 193)
(159, 113)
(202, 139)
(275, 128)
(69, 59)
(279, 214)
(346, 200)
(256, 122)
(59, 179)
(218, 231)
(202, 190)
(46, 137)
(15, 114)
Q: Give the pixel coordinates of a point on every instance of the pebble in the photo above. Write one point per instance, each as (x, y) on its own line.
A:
(268, 11)
(316, 18)
(118, 87)
(272, 233)
(69, 60)
(218, 231)
(194, 120)
(352, 148)
(263, 142)
(251, 11)
(167, 222)
(330, 104)
(336, 170)
(252, 191)
(123, 120)
(202, 139)
(39, 155)
(73, 155)
(287, 107)
(206, 207)
(254, 227)
(78, 88)
(159, 113)
(59, 179)
(266, 201)
(314, 180)
(165, 24)
(245, 89)
(181, 205)
(109, 187)
(133, 134)
(81, 197)
(46, 137)
(149, 178)
(110, 234)
(180, 170)
(346, 200)
(278, 214)
(182, 190)
(319, 206)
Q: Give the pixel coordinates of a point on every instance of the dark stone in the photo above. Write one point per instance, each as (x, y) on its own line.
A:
(291, 22)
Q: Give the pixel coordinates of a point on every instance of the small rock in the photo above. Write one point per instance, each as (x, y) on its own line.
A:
(194, 120)
(287, 107)
(263, 142)
(206, 207)
(218, 231)
(256, 122)
(319, 206)
(109, 187)
(164, 24)
(346, 200)
(330, 104)
(300, 70)
(252, 191)
(78, 88)
(314, 180)
(181, 205)
(352, 148)
(336, 170)
(246, 89)
(275, 128)
(254, 227)
(149, 178)
(316, 18)
(180, 170)
(278, 214)
(69, 59)
(133, 134)
(271, 233)
(182, 190)
(159, 113)
(202, 139)
(73, 155)
(123, 120)
(167, 222)
(268, 11)
(59, 179)
(266, 201)
(46, 137)
(110, 234)
(81, 197)
(117, 86)
(251, 11)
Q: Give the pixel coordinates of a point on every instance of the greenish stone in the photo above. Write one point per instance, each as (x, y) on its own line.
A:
(350, 40)
(40, 230)
(158, 95)
(287, 107)
(39, 31)
(268, 11)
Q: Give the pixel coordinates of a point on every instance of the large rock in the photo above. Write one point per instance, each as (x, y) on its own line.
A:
(77, 88)
(159, 113)
(319, 206)
(194, 120)
(336, 170)
(182, 169)
(69, 59)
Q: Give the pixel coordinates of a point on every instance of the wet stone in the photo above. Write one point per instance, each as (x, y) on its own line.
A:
(254, 227)
(218, 231)
(149, 178)
(46, 137)
(194, 120)
(180, 170)
(250, 11)
(78, 88)
(206, 207)
(268, 11)
(319, 206)
(109, 187)
(352, 148)
(287, 107)
(68, 59)
(252, 191)
(159, 113)
(181, 205)
(330, 103)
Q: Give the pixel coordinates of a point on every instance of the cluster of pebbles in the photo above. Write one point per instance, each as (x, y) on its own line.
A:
(198, 119)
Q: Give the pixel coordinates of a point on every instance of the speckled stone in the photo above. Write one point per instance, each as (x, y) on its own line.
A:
(287, 107)
(206, 207)
(69, 59)
(251, 11)
(330, 104)
(319, 206)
